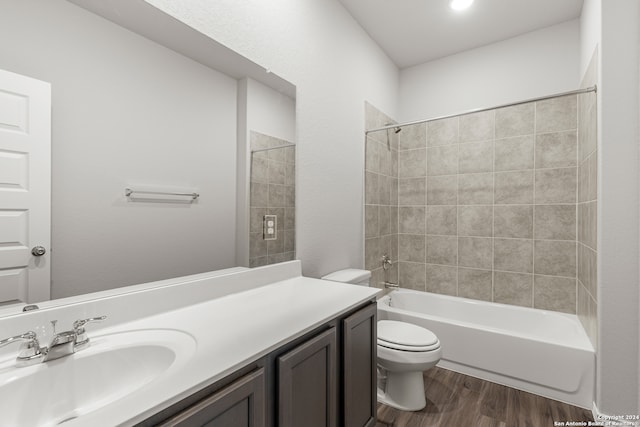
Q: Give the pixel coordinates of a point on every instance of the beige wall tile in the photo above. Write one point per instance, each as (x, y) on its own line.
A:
(289, 237)
(413, 136)
(475, 157)
(475, 221)
(384, 188)
(412, 163)
(371, 225)
(258, 262)
(475, 252)
(393, 215)
(442, 250)
(290, 174)
(384, 220)
(475, 189)
(289, 218)
(587, 124)
(385, 159)
(555, 222)
(412, 191)
(513, 288)
(556, 150)
(515, 120)
(514, 153)
(555, 258)
(514, 188)
(554, 293)
(255, 221)
(593, 177)
(513, 221)
(412, 275)
(477, 126)
(277, 195)
(442, 160)
(371, 188)
(557, 114)
(442, 190)
(259, 169)
(275, 246)
(372, 253)
(393, 191)
(411, 247)
(476, 284)
(591, 224)
(411, 220)
(442, 132)
(583, 181)
(555, 185)
(588, 313)
(513, 255)
(276, 172)
(587, 269)
(257, 245)
(442, 220)
(289, 196)
(259, 195)
(442, 279)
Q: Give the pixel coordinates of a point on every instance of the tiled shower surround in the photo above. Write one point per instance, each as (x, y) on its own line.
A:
(272, 193)
(588, 205)
(482, 205)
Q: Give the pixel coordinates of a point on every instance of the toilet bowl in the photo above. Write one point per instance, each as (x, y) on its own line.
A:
(405, 351)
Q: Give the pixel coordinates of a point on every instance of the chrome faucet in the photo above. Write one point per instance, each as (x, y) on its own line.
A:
(62, 344)
(30, 351)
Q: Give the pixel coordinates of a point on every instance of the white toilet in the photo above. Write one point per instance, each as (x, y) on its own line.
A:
(404, 352)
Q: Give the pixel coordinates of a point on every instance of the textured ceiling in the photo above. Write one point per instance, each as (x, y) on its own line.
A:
(416, 31)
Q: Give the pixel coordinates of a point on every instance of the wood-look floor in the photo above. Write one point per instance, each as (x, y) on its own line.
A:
(458, 400)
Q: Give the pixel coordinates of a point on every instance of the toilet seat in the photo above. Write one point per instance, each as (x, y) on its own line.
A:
(406, 337)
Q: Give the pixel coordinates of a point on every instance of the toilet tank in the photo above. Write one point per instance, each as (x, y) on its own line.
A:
(350, 275)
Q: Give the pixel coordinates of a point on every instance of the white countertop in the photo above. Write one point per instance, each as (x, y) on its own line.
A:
(230, 331)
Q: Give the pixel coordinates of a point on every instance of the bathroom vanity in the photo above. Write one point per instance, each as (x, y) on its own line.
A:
(325, 378)
(259, 347)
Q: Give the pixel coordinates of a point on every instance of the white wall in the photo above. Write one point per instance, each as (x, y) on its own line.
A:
(260, 109)
(616, 25)
(271, 112)
(316, 45)
(126, 111)
(538, 63)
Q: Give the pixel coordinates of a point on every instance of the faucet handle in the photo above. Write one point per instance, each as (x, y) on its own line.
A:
(30, 352)
(78, 324)
(82, 340)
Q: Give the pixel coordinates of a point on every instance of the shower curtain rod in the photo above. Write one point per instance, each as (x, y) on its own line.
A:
(479, 110)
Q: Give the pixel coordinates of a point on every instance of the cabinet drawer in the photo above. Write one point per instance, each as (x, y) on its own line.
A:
(239, 404)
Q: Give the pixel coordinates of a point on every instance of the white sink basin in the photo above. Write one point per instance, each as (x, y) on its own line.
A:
(112, 367)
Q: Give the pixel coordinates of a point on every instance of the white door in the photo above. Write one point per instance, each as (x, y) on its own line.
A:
(25, 188)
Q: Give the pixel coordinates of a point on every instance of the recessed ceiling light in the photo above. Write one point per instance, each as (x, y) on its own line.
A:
(460, 4)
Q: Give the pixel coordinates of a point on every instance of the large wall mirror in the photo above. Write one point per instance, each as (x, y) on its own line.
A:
(141, 101)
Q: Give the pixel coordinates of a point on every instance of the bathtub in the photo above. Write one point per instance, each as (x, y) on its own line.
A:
(541, 352)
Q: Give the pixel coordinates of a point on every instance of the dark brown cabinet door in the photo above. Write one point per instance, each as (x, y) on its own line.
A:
(359, 367)
(307, 383)
(240, 404)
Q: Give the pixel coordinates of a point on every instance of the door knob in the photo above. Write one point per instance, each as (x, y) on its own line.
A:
(38, 251)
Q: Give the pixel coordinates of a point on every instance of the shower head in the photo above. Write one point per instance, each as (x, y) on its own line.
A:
(396, 129)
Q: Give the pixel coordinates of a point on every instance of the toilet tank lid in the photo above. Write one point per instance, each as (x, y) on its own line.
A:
(349, 275)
